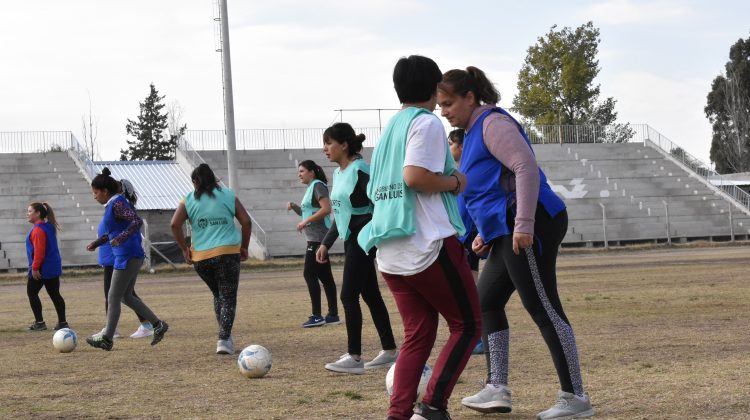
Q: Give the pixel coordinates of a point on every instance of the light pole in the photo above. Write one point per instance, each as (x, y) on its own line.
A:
(228, 98)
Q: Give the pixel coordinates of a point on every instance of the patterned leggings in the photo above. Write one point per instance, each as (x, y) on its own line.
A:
(532, 275)
(222, 275)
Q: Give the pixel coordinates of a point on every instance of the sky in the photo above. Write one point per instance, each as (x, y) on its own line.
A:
(294, 62)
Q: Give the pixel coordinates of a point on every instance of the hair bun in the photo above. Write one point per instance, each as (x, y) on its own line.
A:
(360, 137)
(106, 171)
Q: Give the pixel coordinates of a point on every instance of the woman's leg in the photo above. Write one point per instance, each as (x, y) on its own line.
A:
(350, 291)
(53, 290)
(310, 274)
(32, 291)
(121, 291)
(206, 270)
(374, 300)
(227, 278)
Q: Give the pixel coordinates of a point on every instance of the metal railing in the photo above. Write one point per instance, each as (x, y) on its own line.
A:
(709, 176)
(270, 139)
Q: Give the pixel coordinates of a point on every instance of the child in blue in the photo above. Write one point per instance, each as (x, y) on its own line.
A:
(123, 234)
(45, 264)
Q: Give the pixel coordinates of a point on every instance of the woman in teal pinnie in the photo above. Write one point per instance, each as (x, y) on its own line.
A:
(352, 210)
(315, 208)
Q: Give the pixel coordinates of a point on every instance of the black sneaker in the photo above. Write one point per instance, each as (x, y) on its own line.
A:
(100, 341)
(160, 329)
(38, 326)
(425, 412)
(61, 325)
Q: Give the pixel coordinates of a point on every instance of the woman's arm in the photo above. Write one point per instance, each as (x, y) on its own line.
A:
(247, 227)
(127, 213)
(178, 219)
(39, 241)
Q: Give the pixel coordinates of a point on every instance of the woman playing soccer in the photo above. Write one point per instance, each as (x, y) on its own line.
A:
(314, 209)
(521, 224)
(352, 209)
(45, 264)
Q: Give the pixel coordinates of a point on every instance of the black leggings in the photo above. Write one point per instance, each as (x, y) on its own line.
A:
(108, 270)
(53, 290)
(360, 278)
(222, 275)
(315, 271)
(533, 276)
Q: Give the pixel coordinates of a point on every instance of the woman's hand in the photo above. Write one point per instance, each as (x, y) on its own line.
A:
(321, 256)
(462, 182)
(243, 254)
(90, 247)
(301, 226)
(36, 275)
(479, 247)
(289, 205)
(522, 241)
(115, 242)
(188, 255)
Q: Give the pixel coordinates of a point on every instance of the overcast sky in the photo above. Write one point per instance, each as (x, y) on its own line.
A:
(295, 61)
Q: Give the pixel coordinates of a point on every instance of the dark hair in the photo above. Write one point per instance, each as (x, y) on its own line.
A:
(128, 191)
(415, 79)
(312, 166)
(461, 82)
(457, 136)
(46, 213)
(344, 133)
(205, 181)
(104, 181)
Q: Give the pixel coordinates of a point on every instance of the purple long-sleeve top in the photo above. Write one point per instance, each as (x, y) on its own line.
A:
(507, 145)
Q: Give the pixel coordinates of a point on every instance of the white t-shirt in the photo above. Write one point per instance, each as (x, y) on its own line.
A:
(426, 146)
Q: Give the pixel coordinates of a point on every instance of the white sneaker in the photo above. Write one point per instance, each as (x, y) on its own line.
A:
(117, 333)
(347, 364)
(225, 346)
(144, 330)
(384, 359)
(568, 406)
(491, 399)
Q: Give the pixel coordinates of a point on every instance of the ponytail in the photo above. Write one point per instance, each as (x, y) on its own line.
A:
(128, 191)
(46, 213)
(461, 82)
(316, 169)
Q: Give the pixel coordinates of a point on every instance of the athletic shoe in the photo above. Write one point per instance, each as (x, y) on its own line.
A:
(61, 325)
(225, 346)
(160, 329)
(333, 320)
(347, 364)
(100, 341)
(491, 399)
(38, 326)
(568, 406)
(425, 412)
(384, 359)
(144, 330)
(314, 321)
(479, 348)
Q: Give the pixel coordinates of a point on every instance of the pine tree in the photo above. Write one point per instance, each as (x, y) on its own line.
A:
(151, 140)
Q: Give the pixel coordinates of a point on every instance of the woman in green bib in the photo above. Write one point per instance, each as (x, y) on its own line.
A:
(315, 208)
(352, 210)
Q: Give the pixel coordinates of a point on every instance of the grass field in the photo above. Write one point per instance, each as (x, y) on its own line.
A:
(661, 334)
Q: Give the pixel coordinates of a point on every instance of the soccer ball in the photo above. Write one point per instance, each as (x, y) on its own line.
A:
(426, 374)
(254, 361)
(65, 340)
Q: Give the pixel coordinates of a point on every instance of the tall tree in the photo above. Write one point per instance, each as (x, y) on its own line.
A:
(556, 83)
(90, 131)
(728, 110)
(150, 142)
(175, 127)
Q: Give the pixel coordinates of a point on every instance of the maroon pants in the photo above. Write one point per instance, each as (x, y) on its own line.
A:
(447, 288)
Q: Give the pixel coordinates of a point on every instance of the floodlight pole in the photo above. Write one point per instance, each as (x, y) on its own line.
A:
(228, 99)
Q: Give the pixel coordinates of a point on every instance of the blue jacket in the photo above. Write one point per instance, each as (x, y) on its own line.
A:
(106, 257)
(486, 201)
(131, 247)
(52, 264)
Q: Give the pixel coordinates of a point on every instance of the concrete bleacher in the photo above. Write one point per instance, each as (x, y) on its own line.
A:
(633, 182)
(52, 177)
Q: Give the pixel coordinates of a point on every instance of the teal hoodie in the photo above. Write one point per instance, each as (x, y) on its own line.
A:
(393, 215)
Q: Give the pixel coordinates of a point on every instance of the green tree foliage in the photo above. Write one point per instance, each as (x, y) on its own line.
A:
(556, 83)
(728, 110)
(152, 140)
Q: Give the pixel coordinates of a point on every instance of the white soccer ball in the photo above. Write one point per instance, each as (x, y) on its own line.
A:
(65, 340)
(426, 374)
(254, 361)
